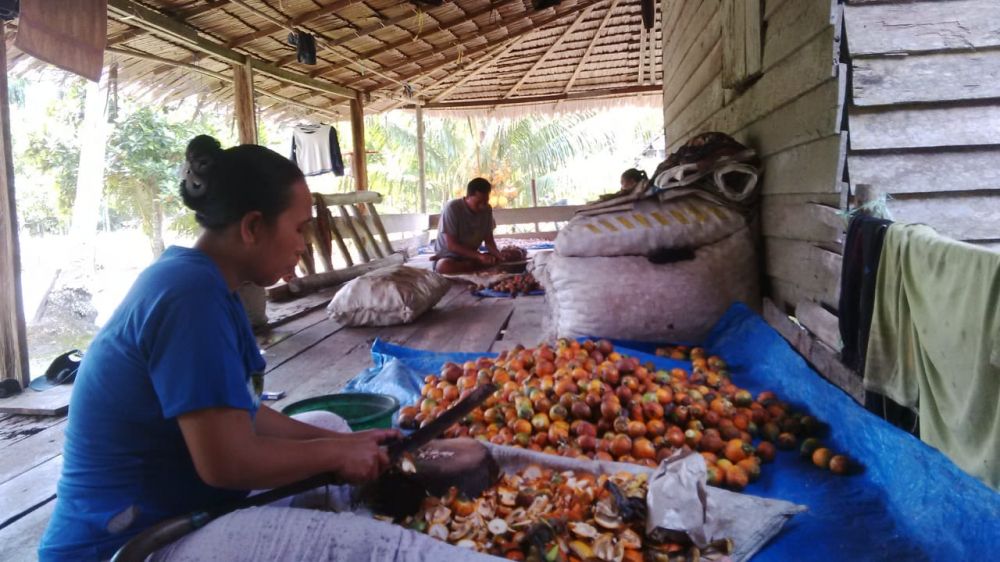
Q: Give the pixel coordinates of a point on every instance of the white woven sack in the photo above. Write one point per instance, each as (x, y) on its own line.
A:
(627, 297)
(686, 222)
(387, 296)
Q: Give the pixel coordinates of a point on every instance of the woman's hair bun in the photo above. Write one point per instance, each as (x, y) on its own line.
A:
(222, 186)
(200, 159)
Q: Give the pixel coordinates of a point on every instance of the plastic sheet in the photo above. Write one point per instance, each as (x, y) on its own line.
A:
(431, 249)
(490, 293)
(911, 502)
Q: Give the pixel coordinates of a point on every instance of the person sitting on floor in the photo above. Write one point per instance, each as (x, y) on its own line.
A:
(631, 180)
(466, 224)
(165, 417)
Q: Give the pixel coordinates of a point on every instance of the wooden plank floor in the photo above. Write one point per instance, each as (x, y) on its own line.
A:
(307, 356)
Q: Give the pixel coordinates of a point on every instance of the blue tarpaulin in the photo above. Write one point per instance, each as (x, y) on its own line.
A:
(428, 249)
(910, 503)
(490, 293)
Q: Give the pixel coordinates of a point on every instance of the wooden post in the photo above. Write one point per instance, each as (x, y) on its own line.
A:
(245, 105)
(13, 335)
(534, 198)
(420, 160)
(358, 136)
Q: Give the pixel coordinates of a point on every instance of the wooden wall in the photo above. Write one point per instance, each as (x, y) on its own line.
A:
(792, 115)
(925, 114)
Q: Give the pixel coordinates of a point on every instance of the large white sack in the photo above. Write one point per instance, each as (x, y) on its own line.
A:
(628, 297)
(686, 222)
(387, 296)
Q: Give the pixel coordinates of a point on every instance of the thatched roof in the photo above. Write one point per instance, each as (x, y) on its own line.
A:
(461, 55)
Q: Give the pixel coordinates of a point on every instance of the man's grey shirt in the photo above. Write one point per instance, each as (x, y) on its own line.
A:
(468, 228)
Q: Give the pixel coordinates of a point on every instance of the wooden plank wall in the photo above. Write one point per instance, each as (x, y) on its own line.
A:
(925, 116)
(791, 114)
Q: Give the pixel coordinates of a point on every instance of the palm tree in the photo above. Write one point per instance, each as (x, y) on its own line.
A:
(509, 152)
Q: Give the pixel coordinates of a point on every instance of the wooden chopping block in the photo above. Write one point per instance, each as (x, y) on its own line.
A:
(463, 463)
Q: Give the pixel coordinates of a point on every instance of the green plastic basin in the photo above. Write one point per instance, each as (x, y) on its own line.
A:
(360, 410)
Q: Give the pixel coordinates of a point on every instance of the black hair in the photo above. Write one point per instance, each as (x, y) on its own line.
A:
(478, 185)
(221, 186)
(634, 174)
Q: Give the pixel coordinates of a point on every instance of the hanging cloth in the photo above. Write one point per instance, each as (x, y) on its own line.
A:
(70, 35)
(935, 342)
(305, 46)
(862, 251)
(316, 150)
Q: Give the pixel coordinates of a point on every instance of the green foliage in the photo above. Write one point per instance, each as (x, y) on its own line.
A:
(509, 152)
(145, 153)
(53, 149)
(145, 149)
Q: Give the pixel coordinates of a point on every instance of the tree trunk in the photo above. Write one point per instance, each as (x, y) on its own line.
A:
(156, 230)
(67, 314)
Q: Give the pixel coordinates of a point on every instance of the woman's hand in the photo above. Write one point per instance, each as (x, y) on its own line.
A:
(362, 456)
(229, 453)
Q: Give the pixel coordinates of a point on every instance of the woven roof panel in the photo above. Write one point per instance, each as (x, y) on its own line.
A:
(491, 51)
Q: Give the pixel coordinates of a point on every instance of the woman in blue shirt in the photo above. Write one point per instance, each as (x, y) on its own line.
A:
(164, 419)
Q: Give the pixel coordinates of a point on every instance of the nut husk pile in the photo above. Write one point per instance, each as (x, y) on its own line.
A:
(546, 515)
(517, 285)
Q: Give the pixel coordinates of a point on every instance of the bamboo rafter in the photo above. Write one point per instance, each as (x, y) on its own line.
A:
(502, 52)
(320, 41)
(365, 31)
(426, 34)
(464, 52)
(157, 23)
(297, 20)
(590, 46)
(223, 78)
(555, 16)
(545, 55)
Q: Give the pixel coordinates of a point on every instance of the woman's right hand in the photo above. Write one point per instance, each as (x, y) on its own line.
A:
(361, 457)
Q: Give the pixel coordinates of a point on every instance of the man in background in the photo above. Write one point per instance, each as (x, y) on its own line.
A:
(466, 224)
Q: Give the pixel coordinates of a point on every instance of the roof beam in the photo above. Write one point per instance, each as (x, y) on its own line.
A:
(300, 19)
(593, 94)
(556, 15)
(220, 77)
(492, 59)
(395, 104)
(321, 40)
(198, 10)
(126, 36)
(424, 33)
(140, 16)
(590, 47)
(569, 31)
(448, 27)
(180, 15)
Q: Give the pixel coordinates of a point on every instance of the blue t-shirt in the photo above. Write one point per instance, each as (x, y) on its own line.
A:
(179, 342)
